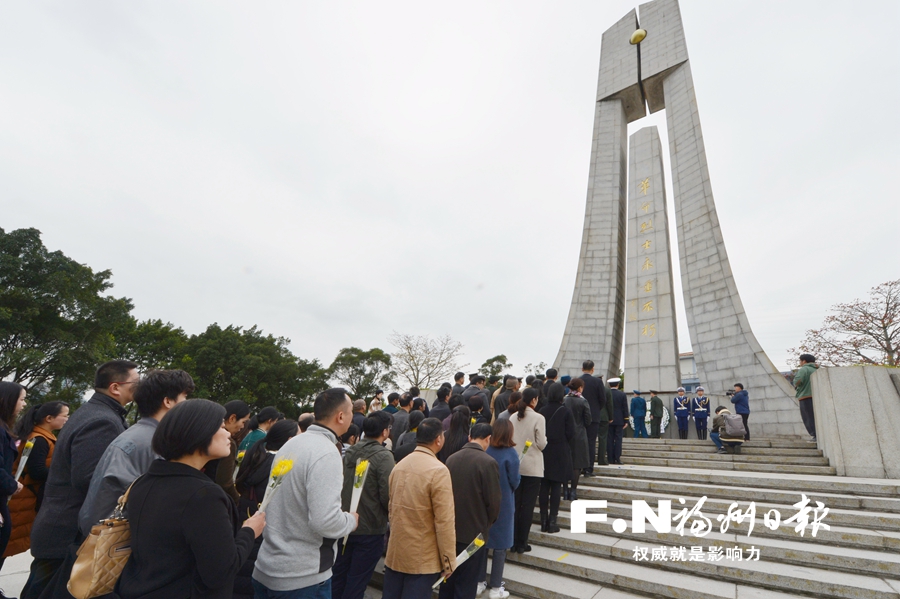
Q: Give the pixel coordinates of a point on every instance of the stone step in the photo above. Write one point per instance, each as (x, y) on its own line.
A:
(706, 447)
(871, 487)
(756, 442)
(705, 579)
(676, 489)
(713, 457)
(712, 463)
(838, 536)
(843, 517)
(525, 583)
(866, 562)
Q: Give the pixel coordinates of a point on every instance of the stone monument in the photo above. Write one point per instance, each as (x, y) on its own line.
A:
(644, 66)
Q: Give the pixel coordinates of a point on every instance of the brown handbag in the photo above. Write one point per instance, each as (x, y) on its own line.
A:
(102, 555)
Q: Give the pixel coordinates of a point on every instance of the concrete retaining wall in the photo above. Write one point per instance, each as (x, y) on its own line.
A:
(858, 420)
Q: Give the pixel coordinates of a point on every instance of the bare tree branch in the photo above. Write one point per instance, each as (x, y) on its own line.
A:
(425, 362)
(859, 332)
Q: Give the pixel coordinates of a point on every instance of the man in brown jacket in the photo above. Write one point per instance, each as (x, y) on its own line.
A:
(422, 546)
(476, 496)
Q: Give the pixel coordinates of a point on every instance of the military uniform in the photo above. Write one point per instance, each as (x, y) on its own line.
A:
(656, 413)
(639, 412)
(700, 412)
(682, 411)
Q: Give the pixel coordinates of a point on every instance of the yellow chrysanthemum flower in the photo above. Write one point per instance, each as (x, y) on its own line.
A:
(361, 468)
(240, 455)
(478, 541)
(282, 467)
(29, 444)
(527, 443)
(473, 421)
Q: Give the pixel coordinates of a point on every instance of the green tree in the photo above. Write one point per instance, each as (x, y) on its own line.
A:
(494, 366)
(56, 324)
(151, 344)
(234, 363)
(362, 372)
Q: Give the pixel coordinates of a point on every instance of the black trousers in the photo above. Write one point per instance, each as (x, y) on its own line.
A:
(593, 431)
(746, 427)
(464, 582)
(808, 415)
(655, 422)
(614, 443)
(49, 577)
(526, 497)
(602, 436)
(398, 585)
(551, 493)
(355, 565)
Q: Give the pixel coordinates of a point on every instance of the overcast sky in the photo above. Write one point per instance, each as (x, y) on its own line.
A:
(336, 171)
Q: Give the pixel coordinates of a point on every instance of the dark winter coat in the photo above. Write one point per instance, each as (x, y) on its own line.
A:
(620, 407)
(472, 391)
(79, 448)
(595, 393)
(375, 497)
(656, 407)
(440, 410)
(581, 413)
(476, 491)
(186, 539)
(558, 453)
(501, 534)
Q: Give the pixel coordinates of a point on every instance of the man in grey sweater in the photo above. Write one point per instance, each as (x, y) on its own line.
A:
(131, 454)
(304, 518)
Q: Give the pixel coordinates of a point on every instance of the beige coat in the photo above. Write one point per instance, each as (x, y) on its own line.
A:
(531, 428)
(422, 516)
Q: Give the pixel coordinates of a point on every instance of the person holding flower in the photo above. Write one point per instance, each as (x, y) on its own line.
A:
(528, 432)
(367, 464)
(186, 538)
(476, 498)
(304, 507)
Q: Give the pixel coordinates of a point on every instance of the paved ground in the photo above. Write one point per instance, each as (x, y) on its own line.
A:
(14, 574)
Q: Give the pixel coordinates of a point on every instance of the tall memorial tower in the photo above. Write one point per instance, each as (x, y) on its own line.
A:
(644, 66)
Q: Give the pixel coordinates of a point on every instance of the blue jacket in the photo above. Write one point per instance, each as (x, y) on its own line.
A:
(682, 406)
(741, 402)
(638, 407)
(501, 533)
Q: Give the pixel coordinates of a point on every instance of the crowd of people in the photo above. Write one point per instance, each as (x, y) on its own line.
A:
(226, 503)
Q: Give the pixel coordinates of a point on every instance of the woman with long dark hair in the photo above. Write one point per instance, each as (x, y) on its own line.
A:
(37, 425)
(12, 401)
(458, 434)
(557, 455)
(186, 536)
(237, 414)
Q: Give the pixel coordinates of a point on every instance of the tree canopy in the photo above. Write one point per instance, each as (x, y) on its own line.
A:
(56, 323)
(425, 362)
(362, 372)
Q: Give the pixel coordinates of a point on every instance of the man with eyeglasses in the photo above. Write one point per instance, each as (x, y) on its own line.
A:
(55, 536)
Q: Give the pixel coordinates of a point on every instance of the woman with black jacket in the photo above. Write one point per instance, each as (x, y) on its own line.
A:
(557, 455)
(186, 538)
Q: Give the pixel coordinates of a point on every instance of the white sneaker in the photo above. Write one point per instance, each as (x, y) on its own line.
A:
(480, 590)
(500, 593)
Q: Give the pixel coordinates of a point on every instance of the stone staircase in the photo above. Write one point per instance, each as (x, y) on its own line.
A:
(859, 557)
